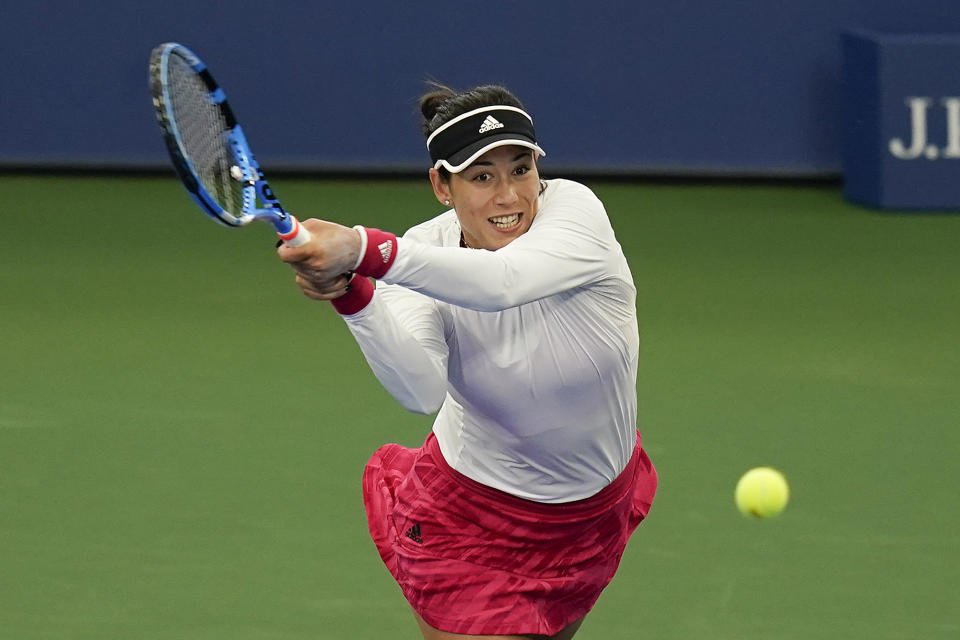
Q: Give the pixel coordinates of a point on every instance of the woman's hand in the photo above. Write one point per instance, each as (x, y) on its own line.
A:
(323, 265)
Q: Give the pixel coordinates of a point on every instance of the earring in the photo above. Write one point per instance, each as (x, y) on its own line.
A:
(446, 202)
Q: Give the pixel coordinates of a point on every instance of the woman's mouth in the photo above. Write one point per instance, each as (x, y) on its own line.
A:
(506, 223)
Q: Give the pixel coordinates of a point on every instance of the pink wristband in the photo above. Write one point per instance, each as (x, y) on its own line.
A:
(356, 299)
(380, 254)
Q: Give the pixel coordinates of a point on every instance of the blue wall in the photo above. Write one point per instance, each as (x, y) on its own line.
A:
(673, 86)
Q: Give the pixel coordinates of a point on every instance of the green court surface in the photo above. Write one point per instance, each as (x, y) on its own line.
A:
(182, 432)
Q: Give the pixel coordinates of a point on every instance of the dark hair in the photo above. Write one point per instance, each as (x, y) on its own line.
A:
(443, 104)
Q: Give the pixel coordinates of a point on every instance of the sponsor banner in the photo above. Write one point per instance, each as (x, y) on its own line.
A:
(902, 120)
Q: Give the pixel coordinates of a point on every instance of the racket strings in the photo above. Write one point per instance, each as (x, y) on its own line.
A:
(203, 135)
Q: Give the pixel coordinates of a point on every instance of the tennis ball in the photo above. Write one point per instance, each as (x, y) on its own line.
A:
(762, 493)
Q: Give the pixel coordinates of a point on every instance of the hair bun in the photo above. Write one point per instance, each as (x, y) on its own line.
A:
(430, 103)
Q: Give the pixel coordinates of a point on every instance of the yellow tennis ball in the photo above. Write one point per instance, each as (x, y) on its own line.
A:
(762, 493)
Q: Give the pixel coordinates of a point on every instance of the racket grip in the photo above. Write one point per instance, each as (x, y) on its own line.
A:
(297, 236)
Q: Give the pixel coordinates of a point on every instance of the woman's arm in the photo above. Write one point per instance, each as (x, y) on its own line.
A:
(400, 333)
(569, 244)
(558, 254)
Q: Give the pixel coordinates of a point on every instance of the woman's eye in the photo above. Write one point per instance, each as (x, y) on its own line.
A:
(522, 169)
(481, 177)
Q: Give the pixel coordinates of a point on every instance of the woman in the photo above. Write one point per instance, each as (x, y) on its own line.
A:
(512, 315)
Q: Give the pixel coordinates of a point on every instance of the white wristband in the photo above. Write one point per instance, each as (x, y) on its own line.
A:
(363, 245)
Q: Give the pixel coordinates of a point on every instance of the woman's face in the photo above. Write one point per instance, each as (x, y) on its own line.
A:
(495, 197)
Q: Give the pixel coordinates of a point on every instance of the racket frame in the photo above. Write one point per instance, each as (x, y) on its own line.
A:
(255, 186)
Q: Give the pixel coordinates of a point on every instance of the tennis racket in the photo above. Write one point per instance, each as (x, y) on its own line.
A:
(208, 148)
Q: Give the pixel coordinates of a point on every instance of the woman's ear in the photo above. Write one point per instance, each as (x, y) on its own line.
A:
(441, 187)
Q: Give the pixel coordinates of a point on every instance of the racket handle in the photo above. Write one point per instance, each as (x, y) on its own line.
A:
(297, 236)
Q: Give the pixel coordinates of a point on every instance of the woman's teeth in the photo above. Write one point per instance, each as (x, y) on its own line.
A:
(505, 222)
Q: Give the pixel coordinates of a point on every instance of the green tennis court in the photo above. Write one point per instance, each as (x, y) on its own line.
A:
(182, 432)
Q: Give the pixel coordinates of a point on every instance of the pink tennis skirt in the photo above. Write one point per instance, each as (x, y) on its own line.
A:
(471, 559)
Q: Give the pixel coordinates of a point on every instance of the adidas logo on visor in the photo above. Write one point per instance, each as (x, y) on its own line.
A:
(490, 124)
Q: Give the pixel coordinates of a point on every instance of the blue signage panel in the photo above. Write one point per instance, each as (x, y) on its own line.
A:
(620, 87)
(902, 120)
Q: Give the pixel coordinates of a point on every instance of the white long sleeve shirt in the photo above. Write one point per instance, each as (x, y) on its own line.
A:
(529, 352)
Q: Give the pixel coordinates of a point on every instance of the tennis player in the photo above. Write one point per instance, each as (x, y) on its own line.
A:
(512, 316)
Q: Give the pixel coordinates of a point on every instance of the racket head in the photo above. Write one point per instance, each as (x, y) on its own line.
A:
(204, 140)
